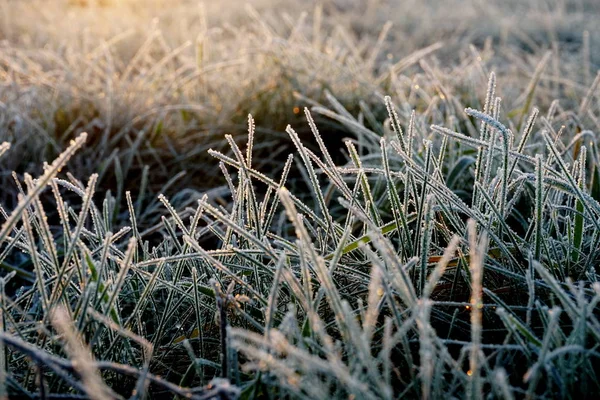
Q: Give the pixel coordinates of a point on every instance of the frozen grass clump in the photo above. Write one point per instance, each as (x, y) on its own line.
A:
(400, 221)
(433, 263)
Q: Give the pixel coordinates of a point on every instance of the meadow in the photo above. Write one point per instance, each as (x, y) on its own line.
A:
(371, 199)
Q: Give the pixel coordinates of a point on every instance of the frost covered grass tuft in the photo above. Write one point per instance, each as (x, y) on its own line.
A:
(434, 231)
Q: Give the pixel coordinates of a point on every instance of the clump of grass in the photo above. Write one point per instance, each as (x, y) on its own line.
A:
(446, 247)
(385, 284)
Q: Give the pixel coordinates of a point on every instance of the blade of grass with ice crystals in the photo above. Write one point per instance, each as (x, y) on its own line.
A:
(133, 221)
(579, 222)
(489, 163)
(395, 122)
(375, 292)
(316, 189)
(305, 270)
(198, 315)
(85, 299)
(333, 173)
(40, 184)
(478, 249)
(61, 211)
(539, 205)
(575, 189)
(424, 186)
(366, 189)
(427, 228)
(426, 347)
(173, 212)
(411, 133)
(44, 232)
(98, 272)
(328, 160)
(487, 109)
(397, 207)
(39, 271)
(350, 123)
(125, 266)
(527, 130)
(440, 268)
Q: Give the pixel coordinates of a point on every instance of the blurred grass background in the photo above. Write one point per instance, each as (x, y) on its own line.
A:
(156, 83)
